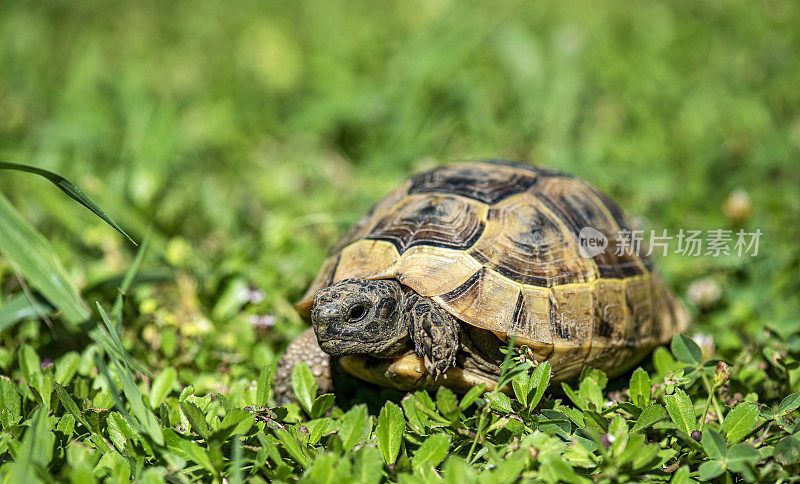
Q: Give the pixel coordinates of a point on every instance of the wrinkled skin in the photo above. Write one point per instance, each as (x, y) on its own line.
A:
(357, 316)
(378, 318)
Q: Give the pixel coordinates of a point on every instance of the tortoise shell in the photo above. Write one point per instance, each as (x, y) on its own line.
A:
(497, 245)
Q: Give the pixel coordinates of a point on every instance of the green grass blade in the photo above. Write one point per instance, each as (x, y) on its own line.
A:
(127, 280)
(109, 338)
(162, 385)
(31, 254)
(70, 189)
(237, 462)
(36, 449)
(119, 358)
(102, 370)
(19, 308)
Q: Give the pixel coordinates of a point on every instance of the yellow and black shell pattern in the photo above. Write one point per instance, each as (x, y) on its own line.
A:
(497, 245)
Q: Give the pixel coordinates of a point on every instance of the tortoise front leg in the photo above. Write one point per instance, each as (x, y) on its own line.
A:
(304, 348)
(434, 332)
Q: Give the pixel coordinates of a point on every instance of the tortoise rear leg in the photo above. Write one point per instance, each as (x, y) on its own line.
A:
(434, 332)
(304, 348)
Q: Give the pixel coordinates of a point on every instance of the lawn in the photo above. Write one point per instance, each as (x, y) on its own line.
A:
(241, 139)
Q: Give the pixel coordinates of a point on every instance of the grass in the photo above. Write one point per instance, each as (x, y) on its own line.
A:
(248, 136)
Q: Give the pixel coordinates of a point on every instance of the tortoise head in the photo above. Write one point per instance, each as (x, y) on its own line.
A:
(360, 316)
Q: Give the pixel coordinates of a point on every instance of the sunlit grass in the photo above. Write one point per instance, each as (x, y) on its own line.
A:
(250, 135)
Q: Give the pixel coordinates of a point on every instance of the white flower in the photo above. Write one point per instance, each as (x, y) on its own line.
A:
(704, 292)
(261, 320)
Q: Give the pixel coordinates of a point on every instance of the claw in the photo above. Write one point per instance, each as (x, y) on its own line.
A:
(438, 369)
(435, 335)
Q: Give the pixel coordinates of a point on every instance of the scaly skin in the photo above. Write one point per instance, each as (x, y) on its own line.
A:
(434, 332)
(303, 348)
(378, 318)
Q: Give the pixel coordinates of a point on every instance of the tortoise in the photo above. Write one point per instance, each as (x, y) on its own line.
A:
(429, 286)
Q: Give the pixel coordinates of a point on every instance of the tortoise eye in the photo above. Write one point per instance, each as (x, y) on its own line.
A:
(356, 312)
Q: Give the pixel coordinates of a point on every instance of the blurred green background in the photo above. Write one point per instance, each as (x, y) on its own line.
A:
(253, 133)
